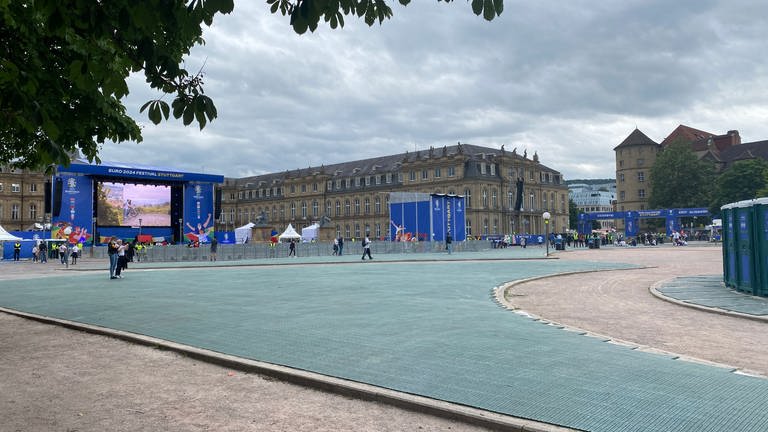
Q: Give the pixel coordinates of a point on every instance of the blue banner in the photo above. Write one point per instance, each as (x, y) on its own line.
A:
(75, 220)
(458, 219)
(198, 212)
(439, 218)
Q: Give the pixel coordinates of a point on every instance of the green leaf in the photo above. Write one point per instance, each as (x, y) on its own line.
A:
(498, 5)
(489, 12)
(477, 6)
(165, 108)
(189, 115)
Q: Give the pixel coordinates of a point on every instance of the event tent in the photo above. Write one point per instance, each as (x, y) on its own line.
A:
(310, 233)
(5, 235)
(243, 233)
(289, 234)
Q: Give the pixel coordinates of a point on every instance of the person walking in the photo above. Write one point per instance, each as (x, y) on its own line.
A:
(122, 262)
(341, 245)
(63, 252)
(112, 252)
(448, 243)
(292, 249)
(367, 248)
(75, 254)
(35, 251)
(17, 250)
(42, 252)
(214, 248)
(335, 246)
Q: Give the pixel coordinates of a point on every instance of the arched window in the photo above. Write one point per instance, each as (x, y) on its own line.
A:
(315, 208)
(346, 207)
(468, 197)
(338, 208)
(367, 206)
(357, 206)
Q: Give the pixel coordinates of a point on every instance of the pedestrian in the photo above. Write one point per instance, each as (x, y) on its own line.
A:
(17, 250)
(35, 251)
(214, 248)
(63, 252)
(292, 248)
(122, 262)
(448, 243)
(42, 252)
(523, 241)
(75, 253)
(367, 248)
(112, 253)
(335, 246)
(341, 245)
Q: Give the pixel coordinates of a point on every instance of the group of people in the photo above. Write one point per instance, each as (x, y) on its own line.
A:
(338, 247)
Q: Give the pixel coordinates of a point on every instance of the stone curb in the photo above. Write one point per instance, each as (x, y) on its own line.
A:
(654, 290)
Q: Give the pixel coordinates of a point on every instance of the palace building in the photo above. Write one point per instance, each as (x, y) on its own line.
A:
(504, 192)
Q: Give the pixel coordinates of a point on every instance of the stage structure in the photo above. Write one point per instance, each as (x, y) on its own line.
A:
(96, 202)
(426, 217)
(632, 219)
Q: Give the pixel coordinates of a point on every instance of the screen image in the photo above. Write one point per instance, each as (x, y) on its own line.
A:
(127, 204)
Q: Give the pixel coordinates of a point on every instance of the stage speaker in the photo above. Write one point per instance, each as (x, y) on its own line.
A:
(58, 190)
(217, 205)
(47, 197)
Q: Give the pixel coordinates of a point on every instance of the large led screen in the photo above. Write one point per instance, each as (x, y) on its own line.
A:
(125, 204)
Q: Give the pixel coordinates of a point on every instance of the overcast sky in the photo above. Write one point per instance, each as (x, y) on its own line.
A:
(567, 79)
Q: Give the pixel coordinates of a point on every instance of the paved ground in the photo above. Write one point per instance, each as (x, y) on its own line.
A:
(318, 422)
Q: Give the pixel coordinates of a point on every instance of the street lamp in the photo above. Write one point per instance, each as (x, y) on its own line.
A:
(546, 217)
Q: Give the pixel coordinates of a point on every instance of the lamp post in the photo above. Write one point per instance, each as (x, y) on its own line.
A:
(139, 228)
(181, 231)
(546, 217)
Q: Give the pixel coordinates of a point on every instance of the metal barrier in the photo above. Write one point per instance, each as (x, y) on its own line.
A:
(238, 252)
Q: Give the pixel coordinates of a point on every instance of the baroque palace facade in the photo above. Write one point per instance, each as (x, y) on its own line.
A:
(22, 198)
(353, 197)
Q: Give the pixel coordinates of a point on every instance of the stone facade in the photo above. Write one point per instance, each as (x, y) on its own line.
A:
(22, 198)
(353, 197)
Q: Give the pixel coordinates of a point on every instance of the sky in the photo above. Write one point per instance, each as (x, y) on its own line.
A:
(569, 80)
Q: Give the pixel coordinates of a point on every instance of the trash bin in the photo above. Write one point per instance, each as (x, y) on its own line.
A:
(745, 264)
(730, 277)
(760, 238)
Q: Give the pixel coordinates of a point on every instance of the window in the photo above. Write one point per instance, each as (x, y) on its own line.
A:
(379, 179)
(346, 207)
(468, 228)
(377, 205)
(530, 174)
(389, 178)
(293, 188)
(33, 187)
(1, 189)
(451, 171)
(412, 176)
(532, 201)
(329, 185)
(338, 184)
(357, 181)
(622, 195)
(357, 230)
(641, 177)
(282, 212)
(544, 201)
(338, 230)
(495, 226)
(641, 193)
(315, 208)
(485, 226)
(293, 210)
(494, 198)
(15, 187)
(367, 206)
(424, 174)
(621, 177)
(481, 167)
(314, 187)
(303, 188)
(378, 230)
(510, 199)
(621, 163)
(493, 169)
(338, 208)
(33, 212)
(368, 180)
(367, 229)
(328, 207)
(347, 232)
(349, 183)
(357, 206)
(437, 172)
(468, 197)
(485, 198)
(240, 195)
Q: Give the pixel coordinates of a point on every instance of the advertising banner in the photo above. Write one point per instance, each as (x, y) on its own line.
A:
(198, 212)
(75, 219)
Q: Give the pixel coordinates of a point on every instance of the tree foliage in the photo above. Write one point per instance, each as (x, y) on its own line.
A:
(573, 214)
(64, 66)
(679, 179)
(741, 181)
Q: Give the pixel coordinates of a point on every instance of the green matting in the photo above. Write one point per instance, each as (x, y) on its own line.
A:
(426, 328)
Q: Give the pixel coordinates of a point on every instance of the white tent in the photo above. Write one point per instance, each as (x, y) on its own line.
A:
(289, 234)
(310, 233)
(243, 234)
(5, 235)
